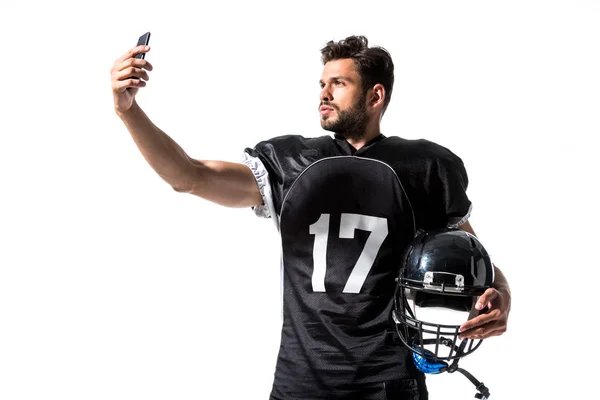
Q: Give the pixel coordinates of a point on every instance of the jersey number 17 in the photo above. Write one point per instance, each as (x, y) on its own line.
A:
(348, 225)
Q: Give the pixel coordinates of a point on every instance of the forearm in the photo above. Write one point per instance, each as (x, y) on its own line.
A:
(501, 284)
(500, 281)
(225, 183)
(163, 154)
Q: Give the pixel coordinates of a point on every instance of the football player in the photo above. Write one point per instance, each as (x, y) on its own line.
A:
(346, 205)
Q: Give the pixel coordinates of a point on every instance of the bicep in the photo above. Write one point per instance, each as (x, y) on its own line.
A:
(500, 281)
(226, 183)
(448, 188)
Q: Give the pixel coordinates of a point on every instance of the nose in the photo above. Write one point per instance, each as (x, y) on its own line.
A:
(326, 94)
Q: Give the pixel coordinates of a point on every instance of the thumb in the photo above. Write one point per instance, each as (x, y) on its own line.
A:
(486, 299)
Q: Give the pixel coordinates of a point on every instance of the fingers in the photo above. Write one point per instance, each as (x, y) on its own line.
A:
(480, 320)
(128, 60)
(495, 328)
(121, 86)
(131, 53)
(130, 72)
(129, 78)
(492, 323)
(486, 299)
(131, 63)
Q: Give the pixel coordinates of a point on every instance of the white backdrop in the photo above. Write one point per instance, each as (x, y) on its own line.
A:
(113, 286)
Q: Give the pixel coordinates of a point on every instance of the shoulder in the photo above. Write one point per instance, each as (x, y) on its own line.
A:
(423, 149)
(286, 141)
(292, 144)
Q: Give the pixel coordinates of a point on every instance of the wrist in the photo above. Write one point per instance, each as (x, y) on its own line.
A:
(124, 113)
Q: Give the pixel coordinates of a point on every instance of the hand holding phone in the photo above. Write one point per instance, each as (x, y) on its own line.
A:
(143, 41)
(129, 74)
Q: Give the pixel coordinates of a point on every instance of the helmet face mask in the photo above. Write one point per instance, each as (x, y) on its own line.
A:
(442, 274)
(428, 323)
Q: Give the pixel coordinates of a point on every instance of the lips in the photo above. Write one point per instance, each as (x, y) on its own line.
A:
(326, 109)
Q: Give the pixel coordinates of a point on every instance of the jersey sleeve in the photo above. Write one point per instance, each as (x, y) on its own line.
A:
(452, 182)
(266, 210)
(263, 161)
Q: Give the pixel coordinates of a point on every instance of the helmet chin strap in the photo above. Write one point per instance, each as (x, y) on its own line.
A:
(429, 364)
(483, 391)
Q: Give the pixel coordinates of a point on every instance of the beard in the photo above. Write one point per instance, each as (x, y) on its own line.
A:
(350, 123)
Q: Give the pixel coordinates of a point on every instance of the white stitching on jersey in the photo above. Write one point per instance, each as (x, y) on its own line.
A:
(357, 158)
(261, 175)
(463, 219)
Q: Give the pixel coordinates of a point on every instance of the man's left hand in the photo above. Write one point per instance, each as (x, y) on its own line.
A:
(493, 322)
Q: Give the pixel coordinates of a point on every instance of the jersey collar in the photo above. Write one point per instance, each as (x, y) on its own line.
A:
(348, 149)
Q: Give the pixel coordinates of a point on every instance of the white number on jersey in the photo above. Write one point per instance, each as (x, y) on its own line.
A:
(348, 225)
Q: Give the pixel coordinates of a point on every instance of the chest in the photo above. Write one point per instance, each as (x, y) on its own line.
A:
(347, 212)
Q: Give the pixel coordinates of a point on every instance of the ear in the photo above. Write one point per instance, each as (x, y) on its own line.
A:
(376, 96)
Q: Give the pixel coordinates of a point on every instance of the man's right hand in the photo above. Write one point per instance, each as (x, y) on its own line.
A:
(128, 74)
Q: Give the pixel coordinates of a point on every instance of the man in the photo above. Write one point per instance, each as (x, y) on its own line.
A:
(345, 206)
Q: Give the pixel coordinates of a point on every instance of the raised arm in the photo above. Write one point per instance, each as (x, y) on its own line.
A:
(226, 183)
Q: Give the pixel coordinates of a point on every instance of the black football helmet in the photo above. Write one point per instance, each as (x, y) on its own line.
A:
(443, 272)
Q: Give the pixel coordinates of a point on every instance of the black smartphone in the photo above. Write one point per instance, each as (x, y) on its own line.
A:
(143, 40)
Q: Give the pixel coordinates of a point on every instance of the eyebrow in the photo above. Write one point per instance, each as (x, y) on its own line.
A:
(337, 77)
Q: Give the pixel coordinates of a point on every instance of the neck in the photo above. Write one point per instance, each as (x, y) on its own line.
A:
(372, 131)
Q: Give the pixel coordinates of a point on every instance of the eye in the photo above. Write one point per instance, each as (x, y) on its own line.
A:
(338, 82)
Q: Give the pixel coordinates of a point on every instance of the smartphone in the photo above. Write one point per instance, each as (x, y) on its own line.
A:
(143, 40)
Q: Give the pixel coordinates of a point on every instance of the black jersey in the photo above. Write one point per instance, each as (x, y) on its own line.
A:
(345, 217)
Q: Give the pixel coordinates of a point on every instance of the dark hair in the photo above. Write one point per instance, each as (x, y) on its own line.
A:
(374, 64)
